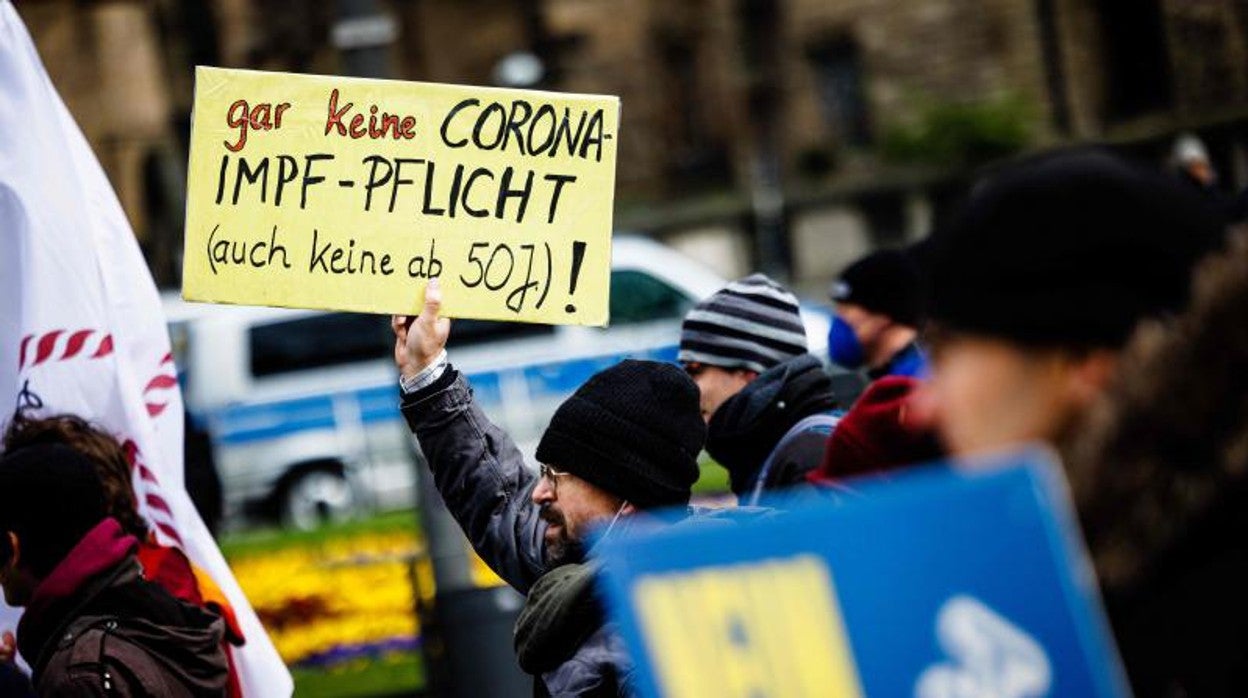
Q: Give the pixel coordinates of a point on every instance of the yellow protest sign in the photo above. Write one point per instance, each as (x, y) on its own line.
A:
(770, 628)
(349, 194)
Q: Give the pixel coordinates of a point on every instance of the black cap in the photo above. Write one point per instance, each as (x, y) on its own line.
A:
(1072, 249)
(634, 430)
(885, 282)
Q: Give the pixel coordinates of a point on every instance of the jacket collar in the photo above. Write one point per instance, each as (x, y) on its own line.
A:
(86, 570)
(747, 426)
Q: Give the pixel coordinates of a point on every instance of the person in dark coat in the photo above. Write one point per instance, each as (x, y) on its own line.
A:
(1160, 480)
(1038, 284)
(768, 403)
(879, 309)
(165, 565)
(624, 446)
(91, 624)
(1051, 270)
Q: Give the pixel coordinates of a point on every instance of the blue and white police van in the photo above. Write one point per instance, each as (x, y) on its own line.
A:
(301, 407)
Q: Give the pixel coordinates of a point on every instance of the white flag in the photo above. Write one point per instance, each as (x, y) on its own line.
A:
(81, 325)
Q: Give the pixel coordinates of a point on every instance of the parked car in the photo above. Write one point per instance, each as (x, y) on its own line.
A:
(300, 406)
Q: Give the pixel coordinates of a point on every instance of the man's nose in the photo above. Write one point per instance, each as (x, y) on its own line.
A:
(543, 492)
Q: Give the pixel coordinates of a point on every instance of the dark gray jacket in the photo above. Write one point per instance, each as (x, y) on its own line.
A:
(486, 486)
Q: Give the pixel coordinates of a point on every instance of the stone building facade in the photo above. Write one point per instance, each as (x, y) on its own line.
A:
(724, 101)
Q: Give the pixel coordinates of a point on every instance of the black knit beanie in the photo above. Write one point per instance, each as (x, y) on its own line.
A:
(884, 282)
(50, 496)
(1070, 250)
(634, 430)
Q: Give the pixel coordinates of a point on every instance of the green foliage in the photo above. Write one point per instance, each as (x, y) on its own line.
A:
(394, 675)
(265, 540)
(953, 134)
(713, 479)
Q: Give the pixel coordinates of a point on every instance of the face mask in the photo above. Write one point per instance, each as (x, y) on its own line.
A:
(843, 346)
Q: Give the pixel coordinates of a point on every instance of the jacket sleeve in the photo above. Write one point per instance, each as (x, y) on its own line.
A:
(799, 456)
(481, 476)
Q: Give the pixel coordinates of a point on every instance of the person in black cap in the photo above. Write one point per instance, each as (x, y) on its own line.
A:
(1038, 284)
(768, 403)
(878, 312)
(626, 442)
(75, 572)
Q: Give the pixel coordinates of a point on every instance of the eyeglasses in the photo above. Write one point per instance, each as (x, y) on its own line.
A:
(552, 476)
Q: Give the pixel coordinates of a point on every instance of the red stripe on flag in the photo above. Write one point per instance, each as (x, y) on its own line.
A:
(106, 347)
(155, 501)
(21, 357)
(75, 344)
(161, 381)
(154, 409)
(168, 358)
(46, 344)
(146, 474)
(171, 532)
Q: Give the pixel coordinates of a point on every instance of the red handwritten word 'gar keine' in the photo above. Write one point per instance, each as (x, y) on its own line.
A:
(266, 116)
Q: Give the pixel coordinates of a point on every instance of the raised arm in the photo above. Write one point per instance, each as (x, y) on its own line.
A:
(476, 466)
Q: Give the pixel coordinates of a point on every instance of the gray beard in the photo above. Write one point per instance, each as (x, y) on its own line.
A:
(563, 551)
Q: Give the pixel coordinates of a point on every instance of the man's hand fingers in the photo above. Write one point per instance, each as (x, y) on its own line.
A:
(433, 301)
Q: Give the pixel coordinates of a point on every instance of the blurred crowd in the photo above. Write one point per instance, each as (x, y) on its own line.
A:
(1077, 300)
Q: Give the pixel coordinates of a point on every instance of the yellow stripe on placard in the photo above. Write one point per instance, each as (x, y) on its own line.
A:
(339, 193)
(772, 628)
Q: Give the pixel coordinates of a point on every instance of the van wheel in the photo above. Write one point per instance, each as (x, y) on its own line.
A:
(317, 497)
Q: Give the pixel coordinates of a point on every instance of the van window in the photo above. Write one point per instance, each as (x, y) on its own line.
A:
(466, 333)
(639, 297)
(319, 340)
(340, 338)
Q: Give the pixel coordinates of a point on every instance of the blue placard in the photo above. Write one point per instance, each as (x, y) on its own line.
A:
(941, 582)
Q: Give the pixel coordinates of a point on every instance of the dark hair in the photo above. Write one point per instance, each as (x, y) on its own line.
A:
(1171, 442)
(112, 466)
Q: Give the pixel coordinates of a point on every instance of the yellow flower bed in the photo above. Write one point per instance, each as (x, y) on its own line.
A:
(349, 592)
(352, 591)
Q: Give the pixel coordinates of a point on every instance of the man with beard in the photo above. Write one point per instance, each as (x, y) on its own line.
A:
(626, 442)
(767, 402)
(1038, 284)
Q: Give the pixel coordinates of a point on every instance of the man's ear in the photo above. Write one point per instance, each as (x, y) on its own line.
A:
(1091, 374)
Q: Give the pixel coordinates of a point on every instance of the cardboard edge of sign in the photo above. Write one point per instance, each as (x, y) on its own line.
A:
(586, 320)
(207, 71)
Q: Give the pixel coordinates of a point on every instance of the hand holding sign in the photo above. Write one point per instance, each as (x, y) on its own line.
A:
(419, 341)
(338, 193)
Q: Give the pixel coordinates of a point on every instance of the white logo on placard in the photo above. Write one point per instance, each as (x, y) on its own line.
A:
(989, 657)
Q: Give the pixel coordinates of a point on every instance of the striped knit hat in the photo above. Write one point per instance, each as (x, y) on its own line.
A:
(752, 323)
